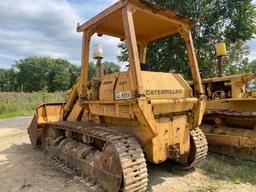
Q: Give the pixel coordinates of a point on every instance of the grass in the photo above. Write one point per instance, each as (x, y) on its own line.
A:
(227, 168)
(18, 104)
(207, 189)
(12, 114)
(25, 185)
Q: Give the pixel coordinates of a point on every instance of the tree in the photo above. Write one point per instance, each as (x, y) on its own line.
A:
(59, 76)
(74, 72)
(237, 60)
(253, 66)
(37, 73)
(110, 67)
(44, 73)
(220, 20)
(7, 80)
(92, 71)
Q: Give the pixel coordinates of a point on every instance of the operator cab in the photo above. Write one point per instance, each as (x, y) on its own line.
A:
(139, 25)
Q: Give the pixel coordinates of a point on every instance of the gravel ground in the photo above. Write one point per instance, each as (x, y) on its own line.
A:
(25, 169)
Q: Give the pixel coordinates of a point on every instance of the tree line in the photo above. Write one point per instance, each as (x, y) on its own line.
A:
(34, 74)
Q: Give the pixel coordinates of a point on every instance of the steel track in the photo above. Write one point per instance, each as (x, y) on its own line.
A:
(201, 146)
(133, 163)
(228, 113)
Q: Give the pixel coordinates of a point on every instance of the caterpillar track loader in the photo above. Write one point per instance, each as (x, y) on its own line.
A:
(110, 125)
(230, 117)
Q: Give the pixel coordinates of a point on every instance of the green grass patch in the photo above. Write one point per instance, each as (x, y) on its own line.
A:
(13, 114)
(25, 185)
(18, 104)
(228, 168)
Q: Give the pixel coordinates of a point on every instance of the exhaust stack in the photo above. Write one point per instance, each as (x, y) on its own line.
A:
(98, 56)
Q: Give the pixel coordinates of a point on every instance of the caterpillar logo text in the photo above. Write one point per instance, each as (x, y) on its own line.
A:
(163, 92)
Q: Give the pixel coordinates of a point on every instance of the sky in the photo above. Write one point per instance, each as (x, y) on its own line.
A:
(48, 28)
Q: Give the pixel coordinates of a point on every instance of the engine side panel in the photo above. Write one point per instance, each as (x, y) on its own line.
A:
(165, 86)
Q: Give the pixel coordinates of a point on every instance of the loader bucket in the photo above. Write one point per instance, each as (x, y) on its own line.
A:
(45, 113)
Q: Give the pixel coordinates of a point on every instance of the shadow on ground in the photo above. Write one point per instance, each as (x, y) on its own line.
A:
(159, 173)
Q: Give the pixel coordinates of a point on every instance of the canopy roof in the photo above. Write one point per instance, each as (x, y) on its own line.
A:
(151, 22)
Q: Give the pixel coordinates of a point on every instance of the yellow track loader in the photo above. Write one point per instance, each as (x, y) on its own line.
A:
(230, 116)
(111, 125)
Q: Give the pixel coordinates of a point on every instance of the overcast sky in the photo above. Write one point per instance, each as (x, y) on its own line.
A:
(48, 28)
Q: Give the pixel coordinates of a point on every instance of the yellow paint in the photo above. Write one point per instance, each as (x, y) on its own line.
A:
(158, 108)
(238, 132)
(75, 113)
(221, 49)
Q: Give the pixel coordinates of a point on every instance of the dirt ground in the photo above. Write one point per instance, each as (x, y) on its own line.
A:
(25, 169)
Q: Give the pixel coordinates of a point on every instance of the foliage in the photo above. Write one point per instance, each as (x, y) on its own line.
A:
(236, 62)
(221, 20)
(37, 73)
(7, 80)
(12, 114)
(230, 168)
(74, 72)
(123, 57)
(253, 66)
(43, 73)
(14, 104)
(109, 67)
(92, 71)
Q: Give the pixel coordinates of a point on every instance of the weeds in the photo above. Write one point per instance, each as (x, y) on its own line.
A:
(207, 189)
(16, 104)
(25, 185)
(12, 114)
(237, 170)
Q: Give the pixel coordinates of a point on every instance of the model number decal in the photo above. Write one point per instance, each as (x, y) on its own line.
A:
(123, 95)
